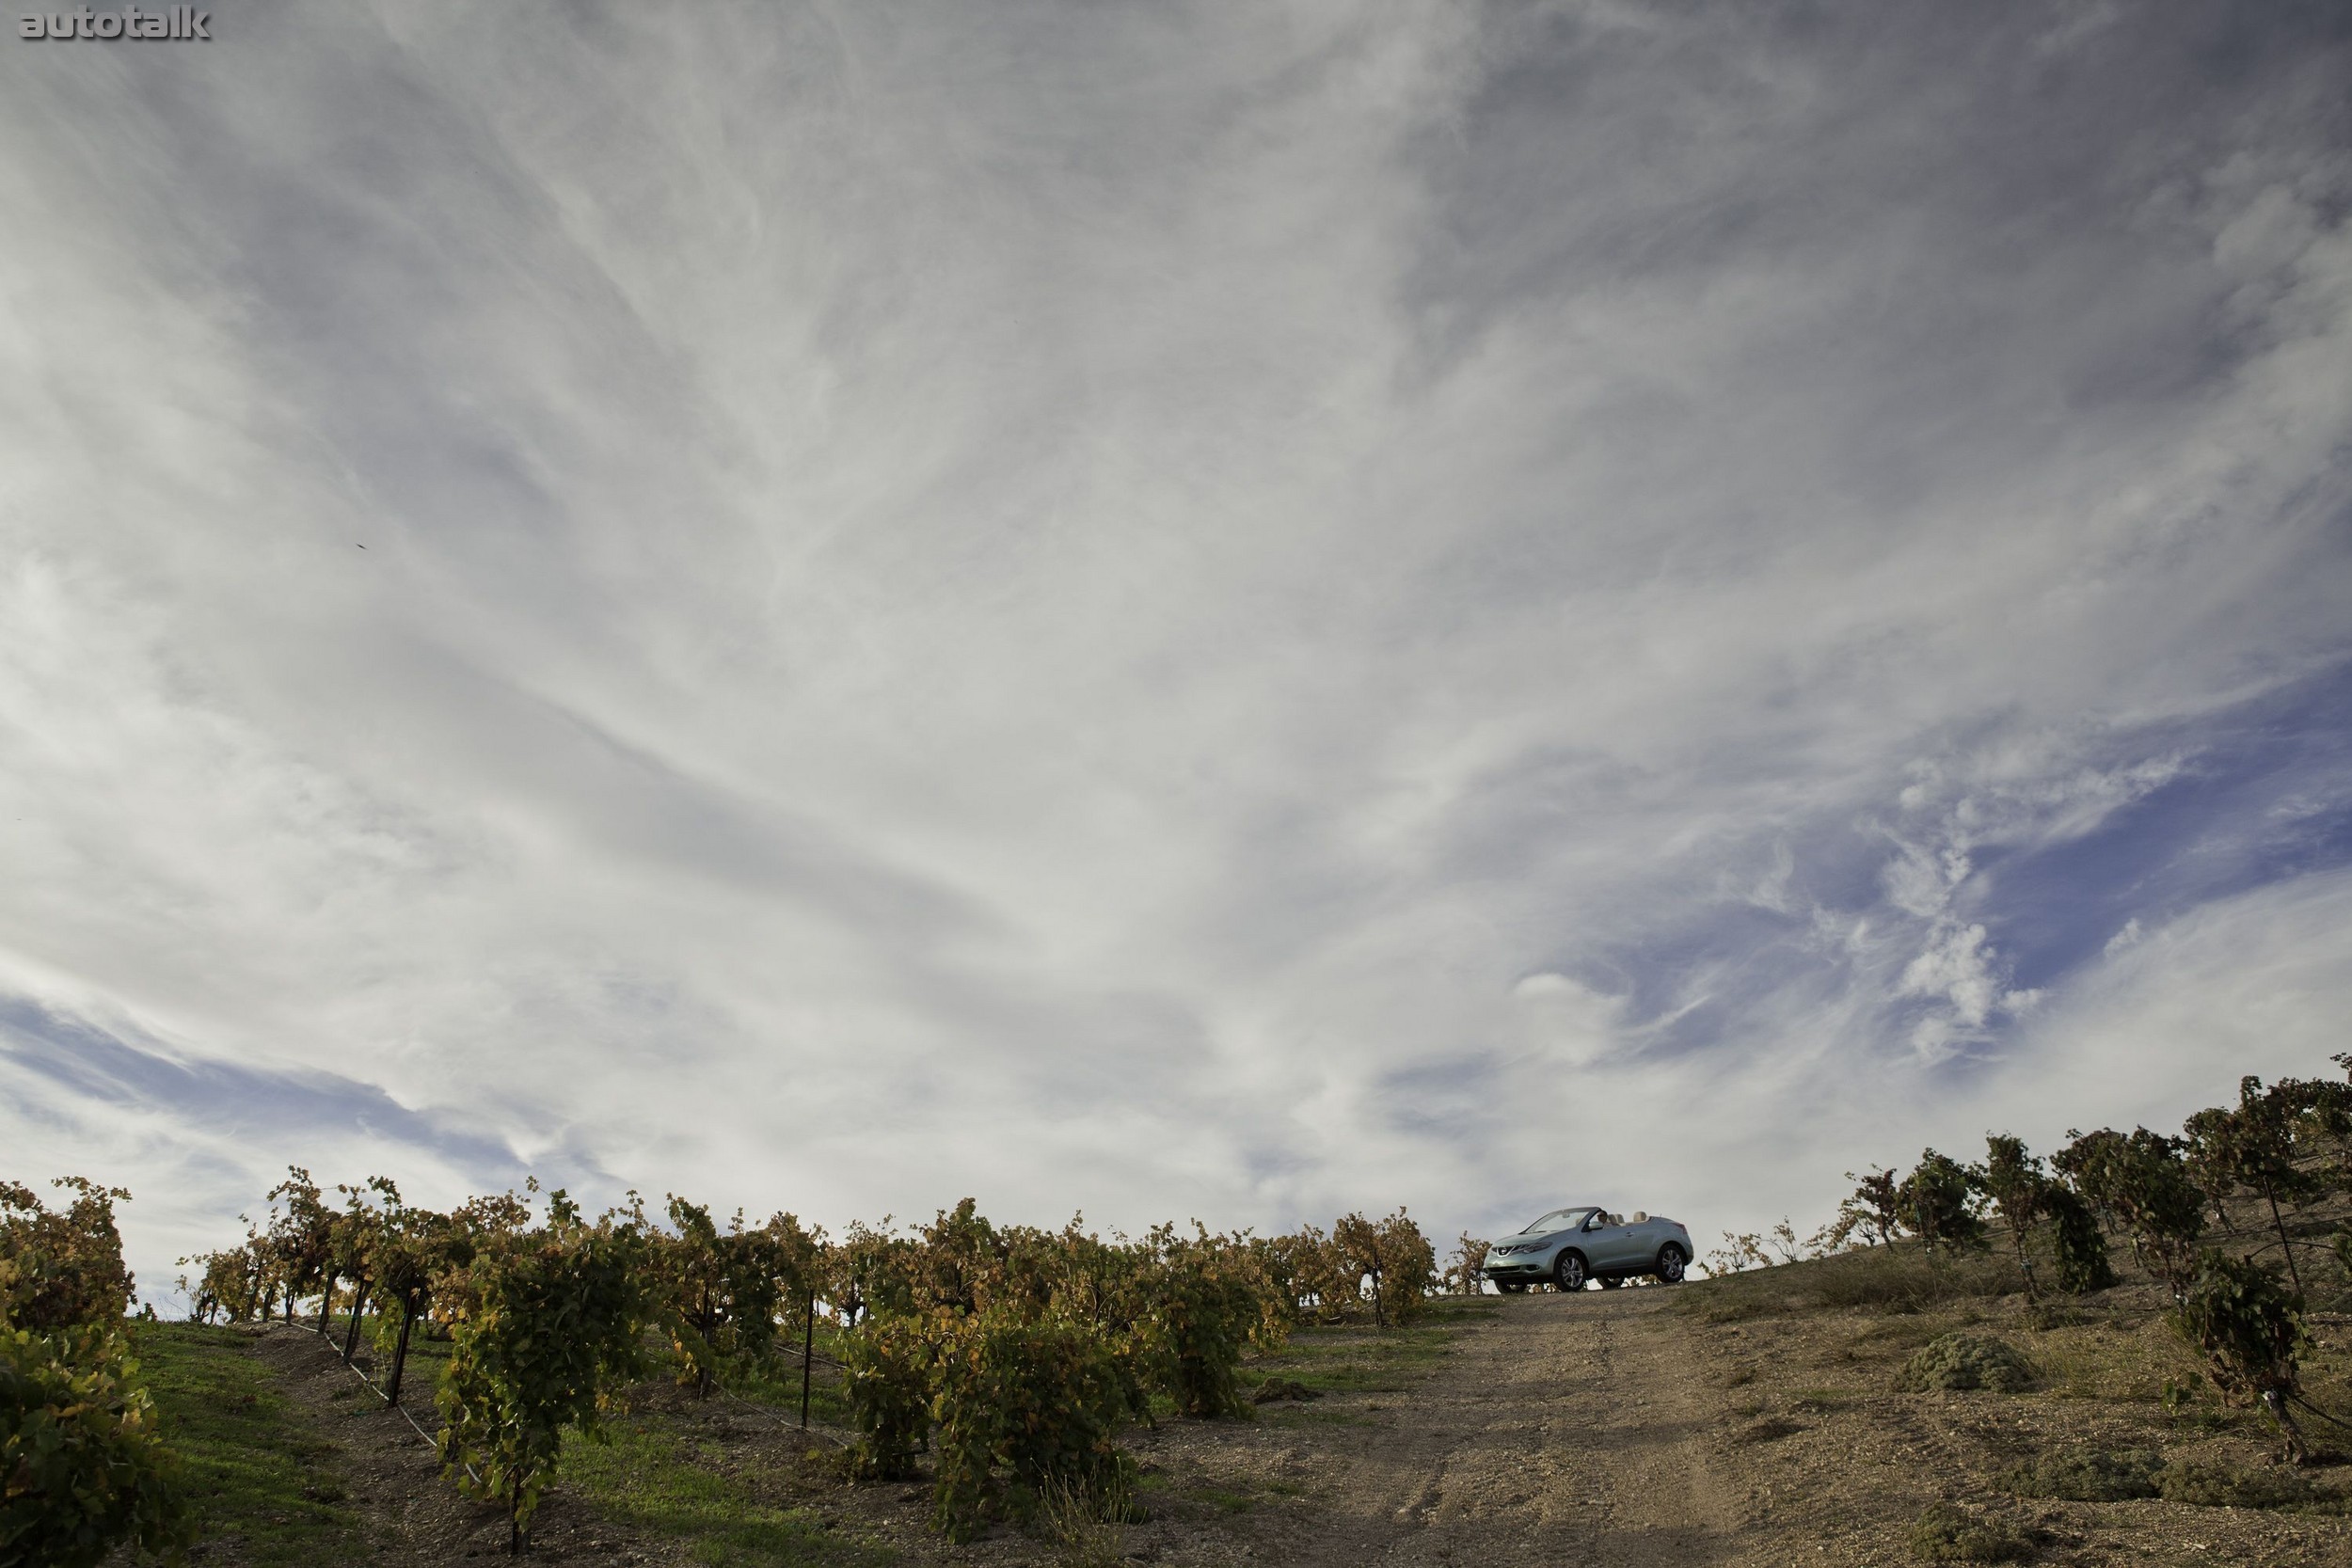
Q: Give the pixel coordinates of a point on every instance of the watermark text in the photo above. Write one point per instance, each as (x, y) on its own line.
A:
(174, 22)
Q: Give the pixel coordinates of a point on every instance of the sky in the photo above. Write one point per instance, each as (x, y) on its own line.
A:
(1166, 611)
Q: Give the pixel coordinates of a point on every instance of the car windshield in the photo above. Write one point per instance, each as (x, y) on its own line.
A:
(1559, 1219)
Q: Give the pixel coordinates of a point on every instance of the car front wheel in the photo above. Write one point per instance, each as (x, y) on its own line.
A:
(1567, 1272)
(1510, 1286)
(1670, 1264)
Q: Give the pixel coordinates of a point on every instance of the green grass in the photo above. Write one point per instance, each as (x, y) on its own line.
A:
(776, 1384)
(648, 1477)
(256, 1470)
(1311, 1415)
(1359, 1360)
(2097, 1360)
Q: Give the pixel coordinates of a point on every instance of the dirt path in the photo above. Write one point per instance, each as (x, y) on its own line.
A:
(1561, 1430)
(1609, 1427)
(1571, 1429)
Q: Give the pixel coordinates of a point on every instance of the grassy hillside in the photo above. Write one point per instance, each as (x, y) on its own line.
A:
(262, 1473)
(293, 1462)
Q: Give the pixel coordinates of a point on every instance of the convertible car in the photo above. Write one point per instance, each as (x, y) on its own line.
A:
(1568, 1246)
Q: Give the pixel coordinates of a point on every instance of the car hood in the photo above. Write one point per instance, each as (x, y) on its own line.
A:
(1535, 1243)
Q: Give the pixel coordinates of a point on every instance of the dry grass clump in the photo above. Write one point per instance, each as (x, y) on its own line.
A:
(2115, 1359)
(1277, 1388)
(2087, 1476)
(2210, 1483)
(2099, 1476)
(1947, 1534)
(1081, 1525)
(1962, 1360)
(1900, 1278)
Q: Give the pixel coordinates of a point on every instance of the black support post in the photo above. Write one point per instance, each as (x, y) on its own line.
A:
(351, 1335)
(399, 1352)
(808, 1345)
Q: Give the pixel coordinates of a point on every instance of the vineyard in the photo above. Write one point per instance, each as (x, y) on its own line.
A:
(1004, 1360)
(1010, 1377)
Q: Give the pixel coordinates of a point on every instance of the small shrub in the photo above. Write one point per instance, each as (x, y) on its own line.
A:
(1465, 1276)
(2086, 1475)
(1945, 1533)
(2142, 1182)
(1939, 1203)
(1965, 1360)
(2209, 1484)
(717, 1293)
(1026, 1409)
(1313, 1276)
(1392, 1259)
(2075, 1245)
(1209, 1297)
(551, 1331)
(888, 1363)
(2013, 1180)
(1873, 1212)
(58, 1269)
(2249, 1328)
(83, 1466)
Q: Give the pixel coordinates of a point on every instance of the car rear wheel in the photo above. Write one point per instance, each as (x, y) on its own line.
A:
(1567, 1272)
(1670, 1264)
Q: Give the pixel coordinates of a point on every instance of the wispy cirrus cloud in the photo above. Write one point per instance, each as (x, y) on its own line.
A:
(1162, 611)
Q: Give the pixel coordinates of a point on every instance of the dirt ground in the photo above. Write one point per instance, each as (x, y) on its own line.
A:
(391, 1477)
(1600, 1428)
(1609, 1429)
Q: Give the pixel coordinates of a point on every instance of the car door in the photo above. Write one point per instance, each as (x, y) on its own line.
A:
(1617, 1245)
(1600, 1242)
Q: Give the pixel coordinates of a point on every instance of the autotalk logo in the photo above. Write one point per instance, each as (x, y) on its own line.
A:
(178, 22)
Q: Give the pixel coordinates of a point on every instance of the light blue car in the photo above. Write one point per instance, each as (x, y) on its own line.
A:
(1568, 1246)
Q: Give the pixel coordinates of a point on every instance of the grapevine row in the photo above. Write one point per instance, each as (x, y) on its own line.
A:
(1009, 1355)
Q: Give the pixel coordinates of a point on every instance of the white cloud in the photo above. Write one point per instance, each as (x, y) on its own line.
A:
(1135, 609)
(2169, 1023)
